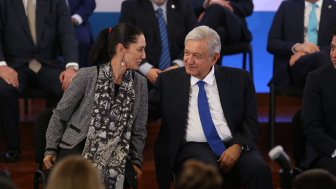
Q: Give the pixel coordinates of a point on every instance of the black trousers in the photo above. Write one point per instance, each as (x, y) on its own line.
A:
(299, 71)
(47, 79)
(250, 171)
(226, 23)
(324, 162)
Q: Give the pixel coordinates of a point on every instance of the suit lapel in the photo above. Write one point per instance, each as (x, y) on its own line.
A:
(183, 86)
(225, 91)
(40, 9)
(326, 12)
(20, 10)
(148, 7)
(332, 76)
(170, 21)
(299, 9)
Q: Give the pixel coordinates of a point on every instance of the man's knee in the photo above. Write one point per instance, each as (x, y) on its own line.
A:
(7, 90)
(258, 168)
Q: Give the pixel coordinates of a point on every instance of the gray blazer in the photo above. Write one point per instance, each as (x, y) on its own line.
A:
(69, 124)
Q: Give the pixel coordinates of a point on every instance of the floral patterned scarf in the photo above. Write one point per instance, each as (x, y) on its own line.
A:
(108, 139)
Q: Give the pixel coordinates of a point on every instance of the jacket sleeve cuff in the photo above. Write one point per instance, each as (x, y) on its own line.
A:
(71, 64)
(137, 162)
(3, 63)
(294, 47)
(78, 18)
(144, 68)
(51, 151)
(179, 62)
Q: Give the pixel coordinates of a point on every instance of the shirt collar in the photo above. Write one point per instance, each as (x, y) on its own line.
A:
(209, 79)
(318, 3)
(163, 7)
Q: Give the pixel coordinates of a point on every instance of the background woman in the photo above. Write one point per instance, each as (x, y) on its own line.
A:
(103, 117)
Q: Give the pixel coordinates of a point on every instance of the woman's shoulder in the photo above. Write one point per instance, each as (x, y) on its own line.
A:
(139, 77)
(88, 71)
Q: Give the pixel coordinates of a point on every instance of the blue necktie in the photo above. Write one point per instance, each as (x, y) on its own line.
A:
(312, 26)
(165, 54)
(209, 128)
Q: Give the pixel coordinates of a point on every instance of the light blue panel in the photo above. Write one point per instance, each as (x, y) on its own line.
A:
(102, 20)
(259, 24)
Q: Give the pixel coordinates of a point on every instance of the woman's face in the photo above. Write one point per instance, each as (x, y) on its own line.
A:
(135, 53)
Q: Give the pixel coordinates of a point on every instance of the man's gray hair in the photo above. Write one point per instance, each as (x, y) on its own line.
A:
(205, 33)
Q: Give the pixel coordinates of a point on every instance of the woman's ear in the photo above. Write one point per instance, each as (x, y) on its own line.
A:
(120, 48)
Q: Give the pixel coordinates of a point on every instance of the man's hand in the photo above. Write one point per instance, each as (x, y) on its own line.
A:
(296, 57)
(201, 16)
(152, 74)
(223, 3)
(49, 160)
(307, 48)
(66, 77)
(229, 158)
(9, 75)
(138, 171)
(172, 67)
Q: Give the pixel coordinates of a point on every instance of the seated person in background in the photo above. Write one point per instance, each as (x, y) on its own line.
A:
(30, 32)
(318, 116)
(315, 179)
(208, 113)
(197, 175)
(6, 183)
(299, 39)
(74, 172)
(227, 18)
(103, 116)
(165, 23)
(81, 10)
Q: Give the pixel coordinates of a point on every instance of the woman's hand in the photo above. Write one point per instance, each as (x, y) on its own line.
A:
(138, 171)
(49, 160)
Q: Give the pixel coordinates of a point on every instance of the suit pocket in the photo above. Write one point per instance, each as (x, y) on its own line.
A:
(71, 135)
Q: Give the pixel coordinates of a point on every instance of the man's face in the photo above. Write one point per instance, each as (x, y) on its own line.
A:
(333, 51)
(159, 2)
(196, 59)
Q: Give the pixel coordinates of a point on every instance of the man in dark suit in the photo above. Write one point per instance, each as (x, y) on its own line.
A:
(164, 42)
(318, 116)
(227, 18)
(299, 39)
(81, 10)
(208, 113)
(30, 31)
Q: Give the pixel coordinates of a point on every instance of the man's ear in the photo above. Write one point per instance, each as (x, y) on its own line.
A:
(215, 58)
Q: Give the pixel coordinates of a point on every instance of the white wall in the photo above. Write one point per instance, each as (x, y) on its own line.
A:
(115, 5)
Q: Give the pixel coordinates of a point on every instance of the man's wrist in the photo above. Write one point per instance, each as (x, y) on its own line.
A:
(293, 48)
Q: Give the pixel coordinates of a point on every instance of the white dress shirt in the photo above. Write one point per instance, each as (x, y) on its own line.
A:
(307, 11)
(25, 2)
(145, 67)
(194, 129)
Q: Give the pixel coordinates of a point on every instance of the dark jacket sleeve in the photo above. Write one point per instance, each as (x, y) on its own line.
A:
(275, 43)
(154, 100)
(312, 117)
(85, 9)
(242, 8)
(139, 132)
(2, 57)
(66, 33)
(248, 131)
(191, 22)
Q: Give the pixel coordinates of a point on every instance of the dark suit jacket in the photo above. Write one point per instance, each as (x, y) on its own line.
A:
(288, 29)
(169, 100)
(318, 113)
(83, 8)
(53, 23)
(242, 8)
(181, 20)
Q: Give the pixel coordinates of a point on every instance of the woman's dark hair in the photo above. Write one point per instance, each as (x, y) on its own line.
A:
(106, 43)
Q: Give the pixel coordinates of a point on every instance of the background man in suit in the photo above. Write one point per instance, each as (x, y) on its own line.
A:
(81, 10)
(318, 116)
(30, 31)
(299, 39)
(227, 18)
(165, 23)
(205, 109)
